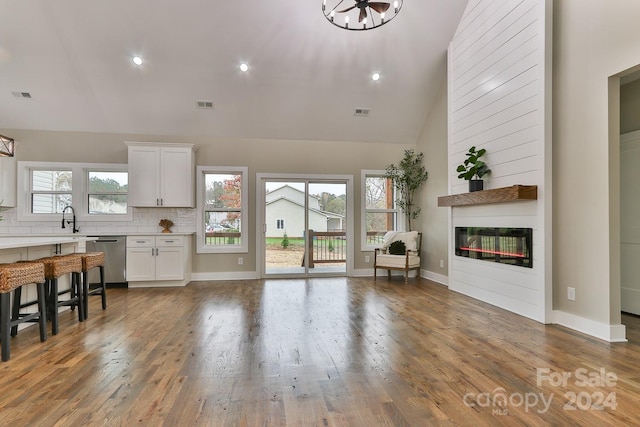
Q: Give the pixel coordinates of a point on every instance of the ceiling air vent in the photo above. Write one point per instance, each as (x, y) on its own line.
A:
(25, 95)
(207, 105)
(361, 112)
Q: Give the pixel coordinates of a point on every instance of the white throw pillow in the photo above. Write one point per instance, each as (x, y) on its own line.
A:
(388, 238)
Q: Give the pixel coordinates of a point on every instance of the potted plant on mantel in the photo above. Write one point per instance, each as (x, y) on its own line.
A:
(474, 167)
(407, 177)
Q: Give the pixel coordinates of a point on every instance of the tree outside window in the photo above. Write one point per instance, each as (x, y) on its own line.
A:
(223, 209)
(107, 192)
(380, 210)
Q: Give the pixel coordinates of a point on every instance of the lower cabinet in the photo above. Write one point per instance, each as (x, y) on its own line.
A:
(158, 260)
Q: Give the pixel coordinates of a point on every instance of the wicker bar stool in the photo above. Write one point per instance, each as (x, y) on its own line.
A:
(91, 260)
(54, 268)
(12, 278)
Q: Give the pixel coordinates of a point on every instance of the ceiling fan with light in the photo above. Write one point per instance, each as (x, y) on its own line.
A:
(362, 10)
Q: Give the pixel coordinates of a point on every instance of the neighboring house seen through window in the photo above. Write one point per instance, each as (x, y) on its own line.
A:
(51, 190)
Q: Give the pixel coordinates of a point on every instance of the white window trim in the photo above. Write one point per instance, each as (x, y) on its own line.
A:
(79, 190)
(201, 190)
(364, 173)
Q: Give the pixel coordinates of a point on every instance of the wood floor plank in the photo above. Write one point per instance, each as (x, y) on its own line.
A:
(316, 352)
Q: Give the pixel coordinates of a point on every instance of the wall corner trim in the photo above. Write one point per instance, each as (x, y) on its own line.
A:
(435, 277)
(603, 331)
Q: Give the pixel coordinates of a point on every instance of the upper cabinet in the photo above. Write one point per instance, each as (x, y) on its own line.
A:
(161, 175)
(8, 185)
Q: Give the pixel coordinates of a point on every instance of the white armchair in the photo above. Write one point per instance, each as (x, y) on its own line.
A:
(410, 260)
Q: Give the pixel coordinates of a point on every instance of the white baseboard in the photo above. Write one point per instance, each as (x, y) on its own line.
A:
(435, 277)
(158, 284)
(603, 331)
(363, 272)
(630, 299)
(229, 275)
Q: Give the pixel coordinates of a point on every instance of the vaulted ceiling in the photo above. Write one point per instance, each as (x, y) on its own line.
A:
(305, 78)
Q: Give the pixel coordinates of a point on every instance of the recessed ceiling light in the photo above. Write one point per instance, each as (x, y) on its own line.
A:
(375, 77)
(137, 60)
(244, 67)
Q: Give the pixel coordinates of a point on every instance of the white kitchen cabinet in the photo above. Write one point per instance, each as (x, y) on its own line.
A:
(161, 175)
(8, 183)
(158, 260)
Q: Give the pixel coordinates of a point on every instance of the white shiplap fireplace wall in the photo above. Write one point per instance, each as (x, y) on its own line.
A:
(499, 99)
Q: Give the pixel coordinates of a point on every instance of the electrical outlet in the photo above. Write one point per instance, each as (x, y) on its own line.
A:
(571, 294)
(367, 258)
(441, 263)
(240, 260)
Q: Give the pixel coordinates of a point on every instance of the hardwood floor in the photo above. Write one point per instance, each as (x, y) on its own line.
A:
(318, 352)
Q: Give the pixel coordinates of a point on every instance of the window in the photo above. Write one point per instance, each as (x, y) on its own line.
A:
(51, 191)
(379, 213)
(280, 224)
(107, 192)
(97, 192)
(222, 213)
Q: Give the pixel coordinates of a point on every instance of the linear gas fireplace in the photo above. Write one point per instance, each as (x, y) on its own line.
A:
(504, 245)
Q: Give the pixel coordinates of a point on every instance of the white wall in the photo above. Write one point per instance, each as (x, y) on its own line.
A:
(499, 86)
(433, 220)
(261, 156)
(595, 42)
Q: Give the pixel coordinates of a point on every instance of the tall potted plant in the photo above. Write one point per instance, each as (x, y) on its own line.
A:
(474, 167)
(407, 177)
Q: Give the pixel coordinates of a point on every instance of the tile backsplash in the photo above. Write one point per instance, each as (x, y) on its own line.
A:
(145, 220)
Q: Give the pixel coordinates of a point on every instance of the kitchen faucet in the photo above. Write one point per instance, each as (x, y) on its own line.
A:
(75, 230)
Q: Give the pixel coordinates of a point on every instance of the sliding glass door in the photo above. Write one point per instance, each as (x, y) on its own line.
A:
(304, 226)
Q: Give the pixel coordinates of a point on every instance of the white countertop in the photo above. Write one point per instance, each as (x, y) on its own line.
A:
(94, 234)
(29, 241)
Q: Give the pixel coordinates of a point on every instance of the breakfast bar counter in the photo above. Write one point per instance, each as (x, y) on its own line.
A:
(29, 241)
(27, 248)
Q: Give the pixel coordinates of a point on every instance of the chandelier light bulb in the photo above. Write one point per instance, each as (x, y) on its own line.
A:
(371, 14)
(375, 77)
(244, 67)
(137, 60)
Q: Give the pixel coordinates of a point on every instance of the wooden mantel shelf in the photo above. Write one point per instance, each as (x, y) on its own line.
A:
(495, 195)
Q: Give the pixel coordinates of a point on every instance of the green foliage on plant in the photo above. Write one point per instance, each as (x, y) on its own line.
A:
(285, 241)
(407, 178)
(473, 166)
(397, 248)
(330, 246)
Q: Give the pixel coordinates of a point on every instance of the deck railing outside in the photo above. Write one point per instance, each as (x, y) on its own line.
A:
(222, 238)
(327, 247)
(323, 246)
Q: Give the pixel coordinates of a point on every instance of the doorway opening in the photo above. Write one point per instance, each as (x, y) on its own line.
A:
(629, 154)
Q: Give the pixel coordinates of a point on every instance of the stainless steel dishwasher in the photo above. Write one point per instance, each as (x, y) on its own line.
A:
(115, 257)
